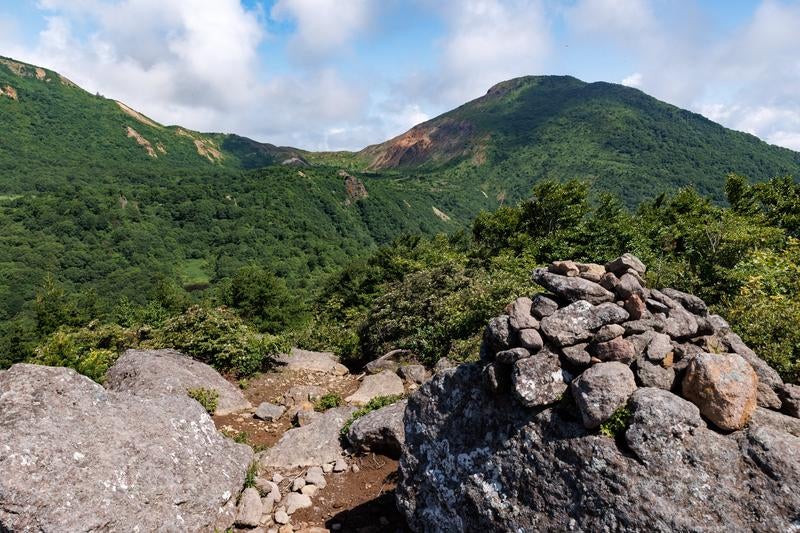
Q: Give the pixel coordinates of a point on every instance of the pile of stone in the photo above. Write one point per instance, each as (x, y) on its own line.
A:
(706, 433)
(602, 333)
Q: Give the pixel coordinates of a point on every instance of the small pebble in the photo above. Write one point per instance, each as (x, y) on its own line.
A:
(298, 484)
(277, 478)
(309, 490)
(356, 468)
(340, 466)
(327, 468)
(281, 517)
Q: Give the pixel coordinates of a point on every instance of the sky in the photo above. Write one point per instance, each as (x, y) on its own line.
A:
(342, 74)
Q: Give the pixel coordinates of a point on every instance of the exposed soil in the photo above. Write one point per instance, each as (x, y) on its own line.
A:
(141, 141)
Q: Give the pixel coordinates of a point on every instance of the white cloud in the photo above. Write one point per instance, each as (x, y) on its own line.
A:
(634, 80)
(489, 41)
(324, 26)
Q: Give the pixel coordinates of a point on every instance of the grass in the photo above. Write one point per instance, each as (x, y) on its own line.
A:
(194, 272)
(208, 398)
(617, 424)
(329, 401)
(251, 475)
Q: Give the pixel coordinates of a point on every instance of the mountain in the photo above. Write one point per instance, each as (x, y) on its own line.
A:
(621, 139)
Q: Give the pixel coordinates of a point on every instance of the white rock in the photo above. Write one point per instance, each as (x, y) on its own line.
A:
(316, 477)
(250, 508)
(340, 465)
(281, 517)
(295, 501)
(309, 490)
(298, 484)
(327, 468)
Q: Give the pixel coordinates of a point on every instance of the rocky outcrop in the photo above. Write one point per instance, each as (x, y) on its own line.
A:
(653, 432)
(305, 360)
(76, 457)
(154, 373)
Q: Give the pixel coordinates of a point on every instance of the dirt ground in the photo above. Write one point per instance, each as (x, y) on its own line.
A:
(362, 501)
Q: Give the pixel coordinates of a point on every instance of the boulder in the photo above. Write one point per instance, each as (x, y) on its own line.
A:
(322, 362)
(601, 390)
(413, 374)
(302, 394)
(312, 445)
(658, 348)
(389, 361)
(153, 373)
(316, 477)
(564, 268)
(380, 431)
(509, 357)
(572, 289)
(497, 335)
(295, 501)
(475, 460)
(384, 384)
(78, 457)
(653, 375)
(608, 332)
(577, 355)
(591, 271)
(724, 387)
(689, 301)
(628, 286)
(625, 262)
(769, 382)
(575, 323)
(635, 306)
(539, 380)
(530, 340)
(519, 314)
(269, 411)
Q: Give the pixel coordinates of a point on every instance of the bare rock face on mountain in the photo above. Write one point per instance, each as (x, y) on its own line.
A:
(154, 373)
(76, 457)
(667, 438)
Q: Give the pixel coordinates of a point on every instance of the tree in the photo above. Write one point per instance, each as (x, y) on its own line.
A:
(263, 299)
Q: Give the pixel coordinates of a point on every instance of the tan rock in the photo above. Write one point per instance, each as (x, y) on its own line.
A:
(591, 271)
(724, 387)
(564, 268)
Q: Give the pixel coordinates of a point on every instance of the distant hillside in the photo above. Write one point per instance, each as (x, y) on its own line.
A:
(621, 139)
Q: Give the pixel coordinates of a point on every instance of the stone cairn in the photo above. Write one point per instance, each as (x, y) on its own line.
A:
(601, 333)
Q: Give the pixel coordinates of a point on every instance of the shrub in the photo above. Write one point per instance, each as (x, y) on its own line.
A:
(328, 401)
(251, 475)
(208, 398)
(618, 422)
(373, 405)
(220, 338)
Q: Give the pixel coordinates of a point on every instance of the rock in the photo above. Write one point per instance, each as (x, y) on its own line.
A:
(443, 364)
(384, 384)
(608, 332)
(267, 505)
(564, 268)
(300, 394)
(269, 488)
(380, 431)
(724, 387)
(309, 490)
(509, 357)
(340, 465)
(635, 307)
(312, 445)
(295, 501)
(655, 323)
(298, 484)
(609, 281)
(601, 390)
(76, 457)
(628, 286)
(322, 362)
(389, 361)
(542, 306)
(574, 323)
(497, 376)
(315, 477)
(769, 382)
(617, 349)
(658, 348)
(790, 397)
(497, 335)
(282, 517)
(572, 289)
(591, 271)
(576, 355)
(539, 380)
(250, 509)
(519, 314)
(154, 373)
(621, 264)
(718, 323)
(653, 375)
(680, 324)
(305, 416)
(269, 411)
(413, 374)
(530, 340)
(656, 307)
(327, 468)
(475, 461)
(781, 422)
(277, 477)
(689, 301)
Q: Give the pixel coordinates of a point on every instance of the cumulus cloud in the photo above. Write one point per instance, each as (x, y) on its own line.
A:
(489, 41)
(324, 26)
(746, 78)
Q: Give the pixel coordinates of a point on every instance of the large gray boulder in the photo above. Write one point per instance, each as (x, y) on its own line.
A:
(76, 457)
(380, 431)
(576, 322)
(314, 444)
(475, 460)
(572, 288)
(153, 373)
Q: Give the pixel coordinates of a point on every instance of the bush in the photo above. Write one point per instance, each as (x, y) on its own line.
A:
(220, 338)
(373, 405)
(208, 398)
(90, 350)
(328, 401)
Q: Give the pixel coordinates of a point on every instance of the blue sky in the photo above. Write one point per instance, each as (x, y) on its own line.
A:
(341, 74)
